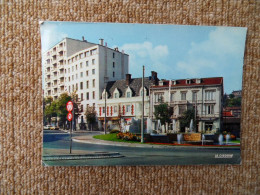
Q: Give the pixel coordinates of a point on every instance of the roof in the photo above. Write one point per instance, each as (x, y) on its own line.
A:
(135, 85)
(183, 82)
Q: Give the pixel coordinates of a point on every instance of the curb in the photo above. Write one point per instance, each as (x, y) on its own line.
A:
(153, 146)
(79, 157)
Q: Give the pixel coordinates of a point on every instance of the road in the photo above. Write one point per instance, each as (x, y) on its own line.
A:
(139, 156)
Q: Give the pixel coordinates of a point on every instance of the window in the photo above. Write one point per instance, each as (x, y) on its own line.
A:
(158, 97)
(72, 68)
(87, 73)
(76, 86)
(69, 70)
(182, 109)
(93, 94)
(116, 95)
(87, 95)
(76, 76)
(209, 109)
(69, 78)
(128, 94)
(103, 110)
(86, 63)
(208, 126)
(69, 89)
(93, 51)
(209, 95)
(93, 71)
(183, 95)
(113, 74)
(81, 74)
(80, 64)
(87, 84)
(93, 82)
(128, 108)
(113, 55)
(81, 85)
(93, 61)
(115, 109)
(72, 87)
(94, 105)
(72, 77)
(81, 97)
(172, 97)
(194, 96)
(113, 64)
(76, 67)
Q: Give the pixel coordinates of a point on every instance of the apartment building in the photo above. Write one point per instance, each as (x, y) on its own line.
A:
(205, 95)
(124, 101)
(82, 67)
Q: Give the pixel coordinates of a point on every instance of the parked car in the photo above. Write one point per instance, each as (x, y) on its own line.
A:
(47, 127)
(54, 128)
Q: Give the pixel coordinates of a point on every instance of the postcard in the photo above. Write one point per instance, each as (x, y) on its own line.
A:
(119, 94)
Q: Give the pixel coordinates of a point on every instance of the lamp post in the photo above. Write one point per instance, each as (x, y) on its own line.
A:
(142, 124)
(105, 120)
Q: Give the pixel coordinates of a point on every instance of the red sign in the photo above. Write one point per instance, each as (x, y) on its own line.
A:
(69, 116)
(69, 106)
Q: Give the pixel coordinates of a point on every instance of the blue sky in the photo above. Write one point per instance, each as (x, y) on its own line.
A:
(174, 51)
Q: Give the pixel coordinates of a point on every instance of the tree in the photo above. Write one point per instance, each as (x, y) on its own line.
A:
(186, 118)
(50, 109)
(61, 107)
(91, 116)
(163, 113)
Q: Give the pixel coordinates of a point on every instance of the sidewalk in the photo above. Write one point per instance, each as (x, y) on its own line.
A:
(90, 140)
(63, 154)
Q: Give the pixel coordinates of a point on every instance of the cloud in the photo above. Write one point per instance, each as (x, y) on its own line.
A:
(145, 54)
(221, 54)
(50, 35)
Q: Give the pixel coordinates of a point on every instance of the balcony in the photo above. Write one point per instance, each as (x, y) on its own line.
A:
(210, 101)
(181, 102)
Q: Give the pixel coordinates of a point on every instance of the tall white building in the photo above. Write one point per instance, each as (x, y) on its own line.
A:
(82, 67)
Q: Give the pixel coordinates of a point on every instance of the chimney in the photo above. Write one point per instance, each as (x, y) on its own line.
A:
(128, 79)
(154, 78)
(101, 42)
(83, 39)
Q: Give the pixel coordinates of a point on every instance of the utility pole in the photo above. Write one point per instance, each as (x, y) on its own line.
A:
(105, 128)
(142, 124)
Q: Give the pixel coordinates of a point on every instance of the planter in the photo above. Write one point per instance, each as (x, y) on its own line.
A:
(192, 137)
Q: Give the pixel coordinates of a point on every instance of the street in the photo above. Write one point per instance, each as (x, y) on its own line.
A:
(176, 155)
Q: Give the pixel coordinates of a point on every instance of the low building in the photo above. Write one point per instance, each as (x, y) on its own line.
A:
(204, 95)
(124, 102)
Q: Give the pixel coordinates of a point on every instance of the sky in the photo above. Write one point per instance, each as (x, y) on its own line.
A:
(173, 51)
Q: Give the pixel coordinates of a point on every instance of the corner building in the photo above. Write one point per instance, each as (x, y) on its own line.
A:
(82, 67)
(204, 95)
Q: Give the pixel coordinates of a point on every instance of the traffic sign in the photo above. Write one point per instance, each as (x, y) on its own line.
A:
(69, 116)
(69, 106)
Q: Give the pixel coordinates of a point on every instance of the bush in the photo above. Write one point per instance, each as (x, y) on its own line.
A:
(128, 136)
(114, 131)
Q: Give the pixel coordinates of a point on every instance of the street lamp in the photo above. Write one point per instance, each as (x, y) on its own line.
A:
(105, 120)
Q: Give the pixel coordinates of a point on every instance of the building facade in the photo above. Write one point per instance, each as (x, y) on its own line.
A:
(124, 102)
(204, 95)
(81, 67)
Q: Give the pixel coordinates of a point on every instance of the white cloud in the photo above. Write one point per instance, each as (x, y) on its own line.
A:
(146, 54)
(50, 35)
(219, 55)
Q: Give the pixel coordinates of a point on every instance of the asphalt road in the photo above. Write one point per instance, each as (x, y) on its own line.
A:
(139, 156)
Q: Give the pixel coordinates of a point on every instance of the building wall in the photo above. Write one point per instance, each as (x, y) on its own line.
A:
(59, 79)
(201, 103)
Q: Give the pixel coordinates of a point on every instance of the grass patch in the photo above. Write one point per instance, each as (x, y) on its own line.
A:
(235, 141)
(112, 137)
